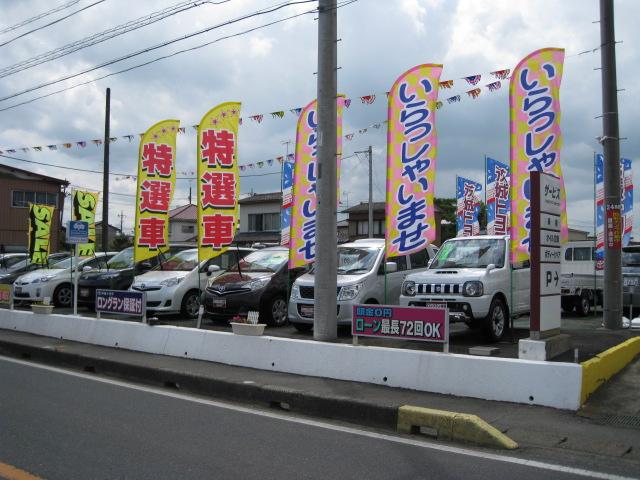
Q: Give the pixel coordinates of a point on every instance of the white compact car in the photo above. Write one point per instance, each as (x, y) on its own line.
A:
(175, 284)
(55, 282)
(361, 280)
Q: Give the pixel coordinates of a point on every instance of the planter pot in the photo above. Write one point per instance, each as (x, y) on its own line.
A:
(254, 329)
(42, 309)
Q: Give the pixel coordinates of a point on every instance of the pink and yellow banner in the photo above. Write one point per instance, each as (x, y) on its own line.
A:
(156, 182)
(411, 160)
(218, 179)
(536, 139)
(302, 244)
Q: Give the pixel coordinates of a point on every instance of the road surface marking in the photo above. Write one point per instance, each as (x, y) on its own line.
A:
(9, 472)
(327, 426)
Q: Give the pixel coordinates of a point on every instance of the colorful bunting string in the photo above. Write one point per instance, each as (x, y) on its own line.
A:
(347, 102)
(368, 99)
(501, 74)
(454, 99)
(279, 114)
(493, 86)
(475, 93)
(473, 79)
(446, 84)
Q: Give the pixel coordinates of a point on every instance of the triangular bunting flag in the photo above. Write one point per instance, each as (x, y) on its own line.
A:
(474, 93)
(493, 86)
(368, 99)
(501, 74)
(446, 84)
(473, 79)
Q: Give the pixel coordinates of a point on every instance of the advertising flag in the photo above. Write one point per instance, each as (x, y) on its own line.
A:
(536, 139)
(40, 221)
(287, 199)
(302, 244)
(218, 179)
(599, 174)
(411, 160)
(627, 200)
(156, 182)
(498, 179)
(83, 208)
(468, 203)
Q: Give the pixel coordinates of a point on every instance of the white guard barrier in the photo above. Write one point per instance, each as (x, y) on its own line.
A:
(552, 384)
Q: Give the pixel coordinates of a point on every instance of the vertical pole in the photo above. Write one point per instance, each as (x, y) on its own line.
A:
(105, 175)
(611, 148)
(595, 236)
(75, 282)
(325, 321)
(370, 192)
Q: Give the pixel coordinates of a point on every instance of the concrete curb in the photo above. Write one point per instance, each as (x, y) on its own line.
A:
(599, 369)
(453, 426)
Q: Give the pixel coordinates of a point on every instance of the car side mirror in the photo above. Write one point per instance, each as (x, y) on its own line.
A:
(429, 262)
(490, 267)
(213, 268)
(86, 268)
(391, 267)
(145, 266)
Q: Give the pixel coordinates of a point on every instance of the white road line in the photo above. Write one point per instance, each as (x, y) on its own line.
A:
(338, 428)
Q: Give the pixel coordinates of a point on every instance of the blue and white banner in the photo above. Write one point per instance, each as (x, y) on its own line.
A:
(287, 201)
(468, 195)
(498, 181)
(627, 200)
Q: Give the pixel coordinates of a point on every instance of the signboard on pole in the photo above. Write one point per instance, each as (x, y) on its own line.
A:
(546, 223)
(77, 231)
(122, 302)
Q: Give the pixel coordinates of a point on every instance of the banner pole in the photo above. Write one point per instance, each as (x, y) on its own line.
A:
(595, 236)
(75, 283)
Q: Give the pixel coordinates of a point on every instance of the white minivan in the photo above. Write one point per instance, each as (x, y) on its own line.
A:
(173, 285)
(361, 280)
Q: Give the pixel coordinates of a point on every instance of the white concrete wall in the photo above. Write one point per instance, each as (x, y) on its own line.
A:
(262, 207)
(175, 230)
(550, 384)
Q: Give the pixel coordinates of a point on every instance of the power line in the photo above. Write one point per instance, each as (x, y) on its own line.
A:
(39, 16)
(103, 36)
(50, 23)
(157, 46)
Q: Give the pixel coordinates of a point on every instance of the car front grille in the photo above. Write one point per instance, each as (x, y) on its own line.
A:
(308, 291)
(438, 288)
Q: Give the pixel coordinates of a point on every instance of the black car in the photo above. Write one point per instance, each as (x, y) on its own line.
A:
(261, 282)
(119, 273)
(10, 271)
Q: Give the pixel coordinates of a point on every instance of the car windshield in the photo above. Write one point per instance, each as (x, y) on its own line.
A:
(25, 264)
(69, 263)
(7, 262)
(124, 259)
(472, 253)
(352, 261)
(184, 261)
(263, 261)
(631, 258)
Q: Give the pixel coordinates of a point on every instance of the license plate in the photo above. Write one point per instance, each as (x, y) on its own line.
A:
(220, 302)
(84, 292)
(18, 289)
(630, 281)
(306, 311)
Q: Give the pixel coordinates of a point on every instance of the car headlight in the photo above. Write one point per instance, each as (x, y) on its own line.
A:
(409, 288)
(295, 291)
(473, 289)
(171, 282)
(44, 279)
(349, 292)
(258, 283)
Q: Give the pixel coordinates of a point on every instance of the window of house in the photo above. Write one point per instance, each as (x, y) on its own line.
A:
(363, 227)
(264, 222)
(568, 254)
(187, 228)
(581, 254)
(22, 199)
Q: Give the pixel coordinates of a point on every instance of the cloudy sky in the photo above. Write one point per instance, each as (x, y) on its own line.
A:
(273, 69)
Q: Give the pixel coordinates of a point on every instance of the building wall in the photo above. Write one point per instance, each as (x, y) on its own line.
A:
(14, 221)
(251, 208)
(175, 230)
(354, 218)
(113, 232)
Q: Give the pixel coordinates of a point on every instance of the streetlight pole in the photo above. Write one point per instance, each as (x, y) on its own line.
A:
(370, 222)
(325, 321)
(105, 175)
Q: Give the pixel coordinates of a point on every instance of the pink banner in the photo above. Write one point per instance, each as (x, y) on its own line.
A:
(536, 139)
(411, 160)
(302, 244)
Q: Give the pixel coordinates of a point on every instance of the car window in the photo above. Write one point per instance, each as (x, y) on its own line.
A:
(419, 259)
(581, 254)
(400, 261)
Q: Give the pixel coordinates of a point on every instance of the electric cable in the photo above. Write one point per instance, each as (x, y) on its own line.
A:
(38, 17)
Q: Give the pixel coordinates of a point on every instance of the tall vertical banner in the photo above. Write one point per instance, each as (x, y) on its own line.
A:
(156, 182)
(599, 177)
(302, 244)
(468, 207)
(498, 179)
(627, 200)
(411, 160)
(287, 200)
(218, 179)
(40, 221)
(83, 208)
(536, 139)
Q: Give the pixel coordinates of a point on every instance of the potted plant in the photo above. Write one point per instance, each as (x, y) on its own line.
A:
(247, 325)
(43, 307)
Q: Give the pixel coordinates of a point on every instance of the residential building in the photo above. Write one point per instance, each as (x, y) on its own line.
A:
(19, 188)
(260, 219)
(358, 220)
(183, 224)
(112, 232)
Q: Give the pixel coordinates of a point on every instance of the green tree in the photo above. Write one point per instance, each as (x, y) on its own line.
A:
(120, 242)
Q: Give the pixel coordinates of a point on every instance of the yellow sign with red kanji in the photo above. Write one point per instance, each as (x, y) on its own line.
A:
(218, 179)
(156, 182)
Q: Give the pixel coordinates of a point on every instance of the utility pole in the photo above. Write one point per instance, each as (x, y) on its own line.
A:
(370, 153)
(122, 215)
(611, 147)
(105, 175)
(325, 320)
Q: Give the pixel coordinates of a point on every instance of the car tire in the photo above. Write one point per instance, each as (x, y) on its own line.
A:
(63, 295)
(275, 312)
(583, 304)
(303, 327)
(567, 304)
(496, 322)
(190, 304)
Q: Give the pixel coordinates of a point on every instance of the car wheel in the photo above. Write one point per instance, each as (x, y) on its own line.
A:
(190, 304)
(497, 321)
(303, 327)
(276, 314)
(583, 305)
(567, 304)
(63, 295)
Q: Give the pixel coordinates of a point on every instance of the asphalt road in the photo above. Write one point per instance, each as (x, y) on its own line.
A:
(62, 425)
